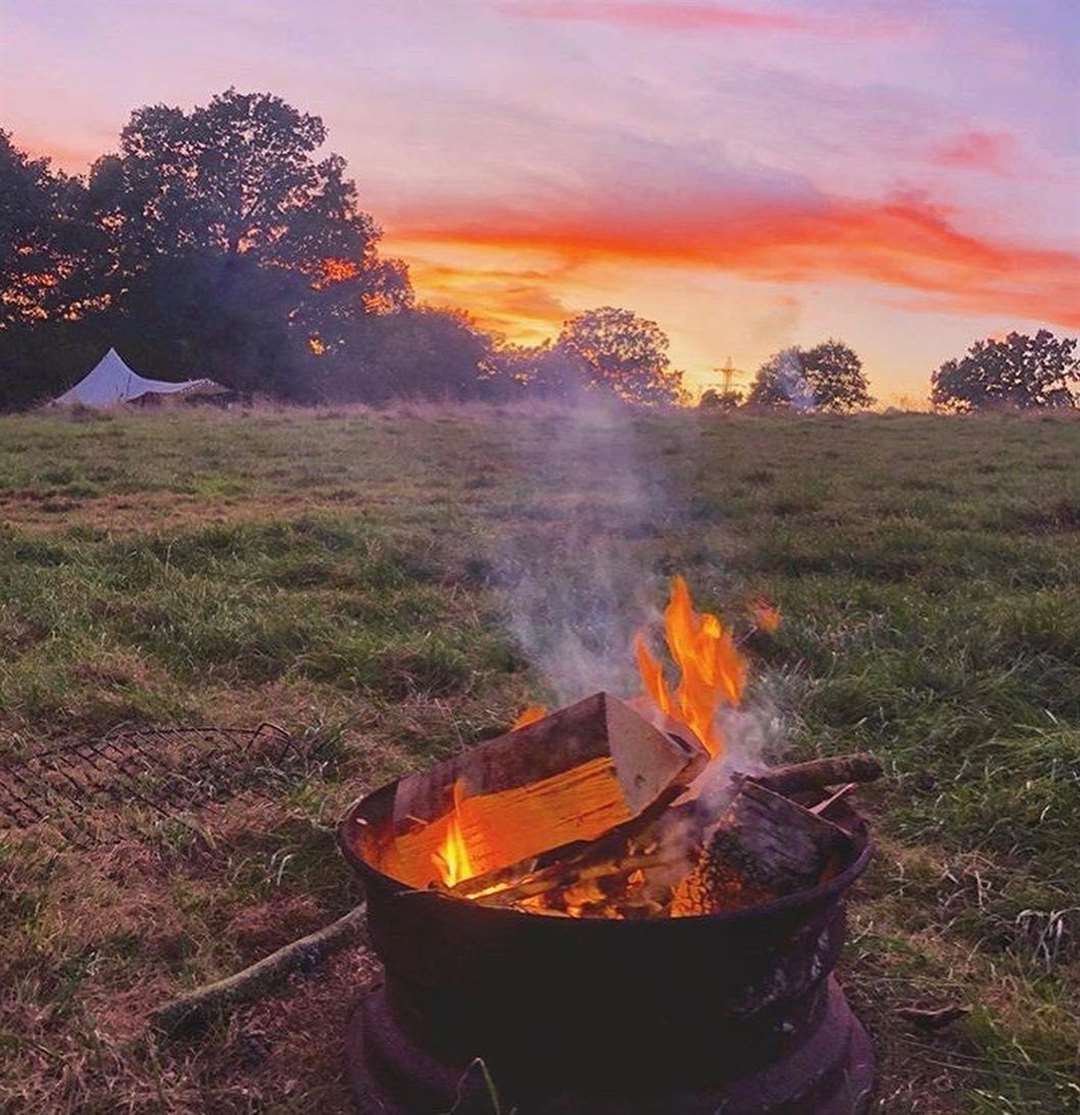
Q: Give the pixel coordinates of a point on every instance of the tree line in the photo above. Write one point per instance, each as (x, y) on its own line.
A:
(221, 242)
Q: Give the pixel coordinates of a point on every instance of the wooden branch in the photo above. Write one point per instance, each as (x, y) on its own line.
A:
(929, 1018)
(819, 773)
(197, 1007)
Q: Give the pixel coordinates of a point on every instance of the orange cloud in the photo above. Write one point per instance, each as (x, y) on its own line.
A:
(903, 242)
(517, 304)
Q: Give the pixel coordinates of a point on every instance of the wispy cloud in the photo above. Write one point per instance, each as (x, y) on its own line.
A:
(681, 16)
(995, 152)
(659, 16)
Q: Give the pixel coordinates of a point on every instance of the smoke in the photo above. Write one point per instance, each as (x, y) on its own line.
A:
(791, 381)
(605, 504)
(581, 574)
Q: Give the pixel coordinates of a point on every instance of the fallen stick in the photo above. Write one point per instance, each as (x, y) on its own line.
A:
(819, 773)
(197, 1007)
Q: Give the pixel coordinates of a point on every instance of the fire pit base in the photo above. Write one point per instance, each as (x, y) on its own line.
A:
(831, 1073)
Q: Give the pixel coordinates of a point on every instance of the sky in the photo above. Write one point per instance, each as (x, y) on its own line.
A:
(901, 175)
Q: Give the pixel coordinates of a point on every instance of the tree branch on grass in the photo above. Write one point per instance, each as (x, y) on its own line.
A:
(196, 1008)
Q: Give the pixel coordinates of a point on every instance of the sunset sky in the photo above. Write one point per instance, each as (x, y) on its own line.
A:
(903, 175)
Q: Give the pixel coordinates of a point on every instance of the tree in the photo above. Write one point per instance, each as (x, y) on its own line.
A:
(40, 242)
(234, 197)
(712, 399)
(219, 316)
(826, 377)
(544, 371)
(624, 354)
(780, 382)
(421, 353)
(1020, 371)
(836, 378)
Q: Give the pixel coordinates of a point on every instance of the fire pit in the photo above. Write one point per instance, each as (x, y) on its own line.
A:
(577, 906)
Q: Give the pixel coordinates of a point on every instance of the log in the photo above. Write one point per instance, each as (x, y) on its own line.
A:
(764, 847)
(558, 862)
(796, 778)
(196, 1008)
(569, 777)
(560, 877)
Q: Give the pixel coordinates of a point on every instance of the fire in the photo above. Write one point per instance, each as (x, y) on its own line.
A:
(712, 670)
(528, 715)
(766, 616)
(452, 859)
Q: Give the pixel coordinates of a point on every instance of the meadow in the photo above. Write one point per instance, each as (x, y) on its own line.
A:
(379, 582)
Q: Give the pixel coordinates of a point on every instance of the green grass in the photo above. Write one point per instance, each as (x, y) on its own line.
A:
(362, 575)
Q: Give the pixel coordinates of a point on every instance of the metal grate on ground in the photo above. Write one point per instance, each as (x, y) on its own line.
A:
(87, 791)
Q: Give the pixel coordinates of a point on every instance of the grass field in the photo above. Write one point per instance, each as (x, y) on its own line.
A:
(383, 580)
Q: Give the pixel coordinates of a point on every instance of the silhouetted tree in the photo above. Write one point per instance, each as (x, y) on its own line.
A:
(229, 203)
(1020, 371)
(712, 399)
(780, 382)
(42, 244)
(421, 353)
(219, 316)
(826, 377)
(835, 375)
(544, 371)
(624, 354)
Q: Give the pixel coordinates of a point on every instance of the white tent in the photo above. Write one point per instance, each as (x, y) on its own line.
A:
(113, 382)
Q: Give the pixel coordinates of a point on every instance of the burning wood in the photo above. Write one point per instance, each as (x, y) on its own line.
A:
(765, 846)
(594, 811)
(566, 778)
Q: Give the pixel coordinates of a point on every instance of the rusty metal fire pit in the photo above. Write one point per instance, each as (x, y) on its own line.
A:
(733, 1013)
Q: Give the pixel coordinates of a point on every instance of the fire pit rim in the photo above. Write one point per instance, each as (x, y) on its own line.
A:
(395, 888)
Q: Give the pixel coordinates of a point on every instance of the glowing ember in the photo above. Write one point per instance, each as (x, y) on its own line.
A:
(766, 616)
(452, 859)
(712, 670)
(528, 716)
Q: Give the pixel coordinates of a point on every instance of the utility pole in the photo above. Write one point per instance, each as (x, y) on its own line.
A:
(728, 373)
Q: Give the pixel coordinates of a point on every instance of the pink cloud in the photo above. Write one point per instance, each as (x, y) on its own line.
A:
(658, 16)
(977, 150)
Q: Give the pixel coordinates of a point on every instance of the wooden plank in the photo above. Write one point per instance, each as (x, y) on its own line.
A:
(570, 777)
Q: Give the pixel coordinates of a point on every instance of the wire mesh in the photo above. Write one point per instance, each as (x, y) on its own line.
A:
(86, 791)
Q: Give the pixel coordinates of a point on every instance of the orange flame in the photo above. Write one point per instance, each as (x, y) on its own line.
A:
(452, 859)
(766, 616)
(528, 715)
(712, 671)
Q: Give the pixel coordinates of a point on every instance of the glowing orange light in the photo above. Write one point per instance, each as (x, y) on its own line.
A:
(337, 271)
(712, 671)
(528, 715)
(452, 859)
(766, 616)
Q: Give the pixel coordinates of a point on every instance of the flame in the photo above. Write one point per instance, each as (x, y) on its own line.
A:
(528, 715)
(766, 615)
(452, 859)
(712, 671)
